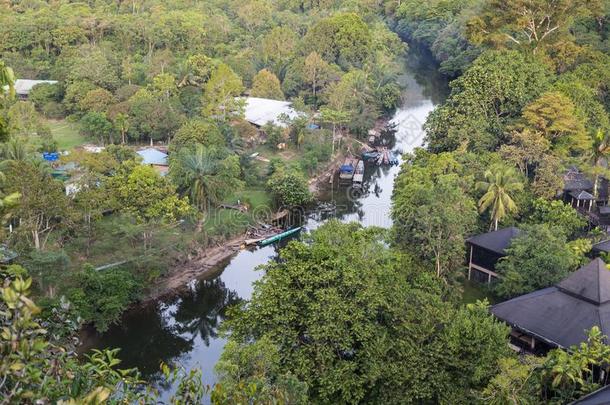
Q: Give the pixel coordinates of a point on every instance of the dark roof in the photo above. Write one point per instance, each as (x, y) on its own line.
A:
(562, 314)
(591, 282)
(582, 195)
(6, 255)
(599, 397)
(604, 210)
(496, 241)
(574, 180)
(601, 247)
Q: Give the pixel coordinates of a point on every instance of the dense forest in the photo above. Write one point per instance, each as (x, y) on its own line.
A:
(346, 314)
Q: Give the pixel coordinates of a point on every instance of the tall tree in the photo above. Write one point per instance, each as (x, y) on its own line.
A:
(360, 323)
(432, 213)
(220, 94)
(500, 185)
(205, 175)
(266, 85)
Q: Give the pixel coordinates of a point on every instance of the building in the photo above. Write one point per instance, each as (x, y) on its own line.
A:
(574, 182)
(260, 111)
(560, 316)
(485, 251)
(600, 248)
(599, 397)
(155, 158)
(24, 86)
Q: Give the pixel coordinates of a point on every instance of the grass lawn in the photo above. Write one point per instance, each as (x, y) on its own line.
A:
(66, 134)
(474, 291)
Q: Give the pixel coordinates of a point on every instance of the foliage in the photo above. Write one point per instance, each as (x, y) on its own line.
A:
(561, 377)
(484, 100)
(207, 175)
(43, 207)
(142, 192)
(35, 367)
(538, 258)
(559, 215)
(266, 85)
(96, 125)
(427, 225)
(500, 184)
(357, 322)
(289, 188)
(103, 295)
(198, 131)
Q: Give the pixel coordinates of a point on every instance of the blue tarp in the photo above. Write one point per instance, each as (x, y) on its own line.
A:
(313, 126)
(50, 156)
(347, 168)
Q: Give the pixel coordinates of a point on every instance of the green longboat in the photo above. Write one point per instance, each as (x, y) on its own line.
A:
(279, 236)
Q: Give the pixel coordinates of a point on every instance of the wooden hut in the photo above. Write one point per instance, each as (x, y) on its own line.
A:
(485, 251)
(560, 316)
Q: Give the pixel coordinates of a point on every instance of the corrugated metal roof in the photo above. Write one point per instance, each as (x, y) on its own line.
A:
(151, 156)
(260, 111)
(24, 86)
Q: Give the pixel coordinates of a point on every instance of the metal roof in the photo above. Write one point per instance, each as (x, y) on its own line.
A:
(562, 314)
(495, 241)
(260, 111)
(582, 195)
(24, 86)
(151, 156)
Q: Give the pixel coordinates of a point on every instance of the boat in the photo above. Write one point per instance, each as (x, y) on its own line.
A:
(370, 155)
(358, 175)
(346, 171)
(279, 236)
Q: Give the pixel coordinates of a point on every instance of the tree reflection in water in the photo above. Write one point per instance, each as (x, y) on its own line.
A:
(168, 330)
(200, 313)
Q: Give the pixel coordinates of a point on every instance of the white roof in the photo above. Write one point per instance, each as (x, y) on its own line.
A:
(24, 86)
(259, 111)
(151, 156)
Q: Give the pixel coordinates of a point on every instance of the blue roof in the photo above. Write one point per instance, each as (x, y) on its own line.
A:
(153, 156)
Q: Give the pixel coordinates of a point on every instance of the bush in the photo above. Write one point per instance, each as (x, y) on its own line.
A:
(102, 296)
(289, 188)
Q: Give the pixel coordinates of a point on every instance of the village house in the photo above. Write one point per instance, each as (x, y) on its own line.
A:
(24, 86)
(560, 316)
(155, 158)
(260, 111)
(485, 251)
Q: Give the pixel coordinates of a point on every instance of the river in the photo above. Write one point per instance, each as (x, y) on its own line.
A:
(184, 329)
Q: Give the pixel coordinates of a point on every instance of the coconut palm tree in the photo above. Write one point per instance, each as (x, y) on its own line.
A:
(197, 173)
(501, 182)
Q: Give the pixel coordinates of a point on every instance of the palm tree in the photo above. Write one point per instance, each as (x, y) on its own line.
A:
(197, 172)
(501, 182)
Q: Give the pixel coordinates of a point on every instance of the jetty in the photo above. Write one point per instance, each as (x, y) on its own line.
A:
(358, 175)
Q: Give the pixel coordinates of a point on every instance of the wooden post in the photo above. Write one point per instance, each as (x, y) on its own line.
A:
(488, 278)
(532, 343)
(470, 263)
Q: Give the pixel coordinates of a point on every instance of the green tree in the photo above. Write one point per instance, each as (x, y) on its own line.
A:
(289, 188)
(554, 115)
(140, 191)
(487, 97)
(7, 78)
(206, 174)
(500, 185)
(198, 131)
(538, 258)
(121, 124)
(95, 125)
(266, 85)
(432, 213)
(527, 24)
(366, 326)
(220, 94)
(335, 118)
(559, 214)
(43, 207)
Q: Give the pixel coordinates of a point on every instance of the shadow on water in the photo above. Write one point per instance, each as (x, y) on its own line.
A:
(184, 329)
